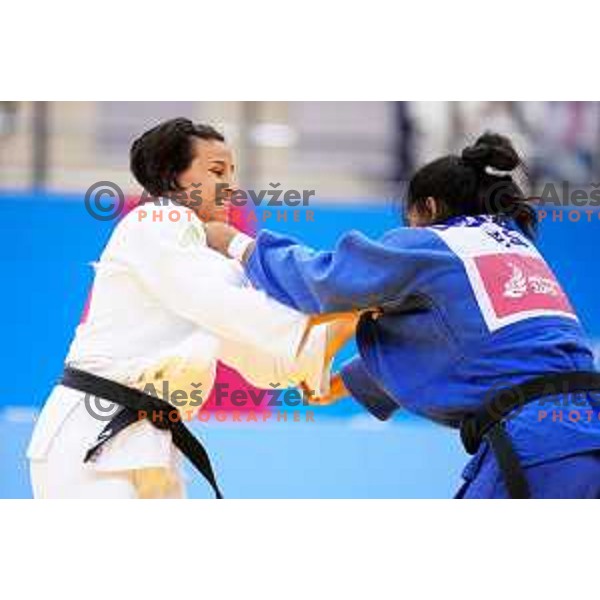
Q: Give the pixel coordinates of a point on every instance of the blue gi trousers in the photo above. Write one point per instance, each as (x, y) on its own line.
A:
(575, 476)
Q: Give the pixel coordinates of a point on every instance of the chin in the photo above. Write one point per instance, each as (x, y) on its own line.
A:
(220, 217)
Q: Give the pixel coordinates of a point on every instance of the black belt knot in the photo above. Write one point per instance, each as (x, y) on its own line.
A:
(133, 401)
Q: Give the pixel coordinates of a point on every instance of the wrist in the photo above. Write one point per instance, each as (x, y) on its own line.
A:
(238, 246)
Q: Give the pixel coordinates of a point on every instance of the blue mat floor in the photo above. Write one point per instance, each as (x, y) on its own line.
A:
(355, 457)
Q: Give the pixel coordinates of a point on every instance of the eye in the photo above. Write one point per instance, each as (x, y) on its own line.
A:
(218, 173)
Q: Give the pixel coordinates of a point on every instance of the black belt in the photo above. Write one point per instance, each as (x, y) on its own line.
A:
(488, 423)
(159, 412)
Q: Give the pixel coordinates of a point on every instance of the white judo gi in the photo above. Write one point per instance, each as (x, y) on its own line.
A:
(164, 306)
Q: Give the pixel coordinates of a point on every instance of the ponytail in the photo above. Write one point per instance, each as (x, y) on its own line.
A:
(478, 182)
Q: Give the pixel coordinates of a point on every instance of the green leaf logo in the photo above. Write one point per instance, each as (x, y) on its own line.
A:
(190, 236)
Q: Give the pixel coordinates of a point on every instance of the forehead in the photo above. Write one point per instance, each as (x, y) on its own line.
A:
(212, 151)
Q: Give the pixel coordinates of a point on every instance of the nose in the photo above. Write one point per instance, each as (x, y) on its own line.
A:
(227, 194)
(230, 190)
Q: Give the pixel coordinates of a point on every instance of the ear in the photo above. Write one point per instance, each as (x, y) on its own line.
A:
(432, 207)
(183, 180)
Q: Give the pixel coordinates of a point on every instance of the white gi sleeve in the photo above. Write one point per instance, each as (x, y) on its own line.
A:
(263, 371)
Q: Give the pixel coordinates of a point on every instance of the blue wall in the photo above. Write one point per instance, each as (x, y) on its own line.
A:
(46, 244)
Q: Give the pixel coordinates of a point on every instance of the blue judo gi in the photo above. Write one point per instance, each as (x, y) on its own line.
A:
(469, 306)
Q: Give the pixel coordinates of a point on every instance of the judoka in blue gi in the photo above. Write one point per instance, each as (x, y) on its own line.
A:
(466, 307)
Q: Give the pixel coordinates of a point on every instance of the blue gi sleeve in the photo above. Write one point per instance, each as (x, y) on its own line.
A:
(358, 273)
(366, 391)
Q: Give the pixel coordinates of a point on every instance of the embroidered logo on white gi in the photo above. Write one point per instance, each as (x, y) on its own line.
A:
(190, 236)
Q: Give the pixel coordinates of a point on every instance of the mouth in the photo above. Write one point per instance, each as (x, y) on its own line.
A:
(224, 209)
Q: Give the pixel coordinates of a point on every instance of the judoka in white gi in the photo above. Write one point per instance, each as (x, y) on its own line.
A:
(165, 307)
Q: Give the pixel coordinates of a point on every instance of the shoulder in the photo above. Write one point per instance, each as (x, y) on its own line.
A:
(414, 238)
(158, 224)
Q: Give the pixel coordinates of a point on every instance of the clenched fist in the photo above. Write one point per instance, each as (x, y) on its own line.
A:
(219, 235)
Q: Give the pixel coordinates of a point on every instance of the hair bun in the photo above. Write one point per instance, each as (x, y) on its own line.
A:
(491, 150)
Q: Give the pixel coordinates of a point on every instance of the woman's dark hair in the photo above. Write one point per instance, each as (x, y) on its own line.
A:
(466, 184)
(162, 153)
